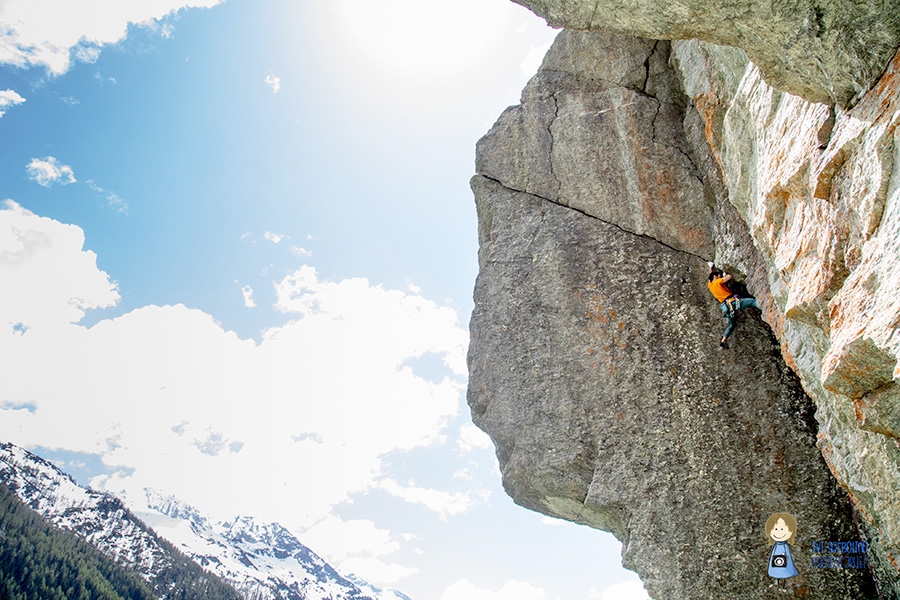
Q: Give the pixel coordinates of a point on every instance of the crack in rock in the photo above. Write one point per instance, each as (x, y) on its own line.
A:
(553, 141)
(586, 214)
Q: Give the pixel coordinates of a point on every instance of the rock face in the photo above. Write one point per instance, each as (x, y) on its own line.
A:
(822, 50)
(573, 141)
(594, 359)
(820, 196)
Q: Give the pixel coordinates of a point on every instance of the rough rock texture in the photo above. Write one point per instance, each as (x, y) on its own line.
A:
(819, 193)
(594, 362)
(573, 143)
(822, 50)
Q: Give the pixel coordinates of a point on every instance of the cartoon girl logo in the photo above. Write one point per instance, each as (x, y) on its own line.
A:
(781, 527)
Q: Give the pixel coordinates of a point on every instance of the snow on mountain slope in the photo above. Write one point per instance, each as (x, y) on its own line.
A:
(377, 593)
(262, 561)
(100, 518)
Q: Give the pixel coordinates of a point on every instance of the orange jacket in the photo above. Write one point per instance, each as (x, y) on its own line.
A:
(719, 289)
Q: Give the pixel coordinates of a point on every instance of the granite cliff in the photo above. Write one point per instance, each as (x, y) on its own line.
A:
(594, 359)
(828, 51)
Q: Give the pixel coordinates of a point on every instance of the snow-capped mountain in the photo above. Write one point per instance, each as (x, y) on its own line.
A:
(262, 561)
(105, 522)
(99, 518)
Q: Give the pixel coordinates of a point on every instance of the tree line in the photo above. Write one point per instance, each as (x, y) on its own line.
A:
(41, 562)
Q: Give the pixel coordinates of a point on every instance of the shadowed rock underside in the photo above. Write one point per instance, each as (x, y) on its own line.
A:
(821, 50)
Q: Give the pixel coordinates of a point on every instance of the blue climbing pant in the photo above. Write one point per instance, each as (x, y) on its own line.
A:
(741, 304)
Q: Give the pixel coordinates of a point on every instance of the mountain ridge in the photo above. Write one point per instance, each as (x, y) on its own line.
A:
(261, 561)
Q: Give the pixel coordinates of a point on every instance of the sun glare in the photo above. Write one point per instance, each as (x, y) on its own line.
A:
(424, 39)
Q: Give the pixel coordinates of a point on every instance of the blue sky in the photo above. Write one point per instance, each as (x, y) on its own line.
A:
(238, 241)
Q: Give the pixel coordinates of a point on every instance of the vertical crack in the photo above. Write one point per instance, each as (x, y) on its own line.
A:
(647, 68)
(594, 13)
(695, 169)
(550, 152)
(653, 120)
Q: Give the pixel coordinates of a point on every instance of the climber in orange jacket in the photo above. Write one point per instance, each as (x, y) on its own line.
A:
(729, 302)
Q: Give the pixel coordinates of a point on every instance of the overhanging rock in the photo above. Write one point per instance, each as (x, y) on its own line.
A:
(594, 359)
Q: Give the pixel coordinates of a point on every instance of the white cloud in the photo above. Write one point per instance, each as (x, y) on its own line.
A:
(300, 252)
(626, 590)
(472, 438)
(247, 292)
(273, 237)
(377, 571)
(339, 540)
(48, 171)
(463, 474)
(432, 328)
(512, 590)
(443, 503)
(104, 79)
(358, 546)
(45, 33)
(48, 279)
(274, 82)
(87, 54)
(9, 98)
(534, 58)
(166, 391)
(113, 200)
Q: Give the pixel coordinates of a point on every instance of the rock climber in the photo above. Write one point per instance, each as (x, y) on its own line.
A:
(729, 302)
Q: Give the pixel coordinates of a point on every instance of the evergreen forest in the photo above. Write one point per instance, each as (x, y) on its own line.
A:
(41, 562)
